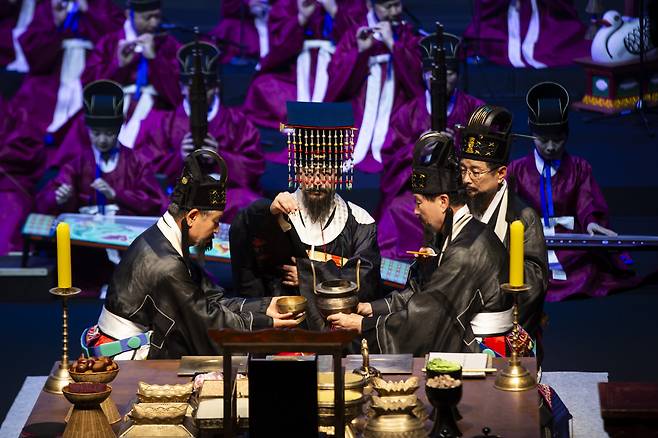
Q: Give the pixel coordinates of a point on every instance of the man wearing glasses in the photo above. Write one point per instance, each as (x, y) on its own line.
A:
(484, 160)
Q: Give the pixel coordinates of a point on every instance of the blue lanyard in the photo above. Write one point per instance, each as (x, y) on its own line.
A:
(546, 192)
(101, 201)
(142, 78)
(72, 20)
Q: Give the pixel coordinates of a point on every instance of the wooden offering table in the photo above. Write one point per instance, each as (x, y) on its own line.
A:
(508, 414)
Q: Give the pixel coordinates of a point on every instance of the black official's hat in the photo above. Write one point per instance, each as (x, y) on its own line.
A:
(103, 104)
(209, 61)
(199, 189)
(451, 44)
(435, 169)
(320, 137)
(144, 5)
(488, 135)
(548, 109)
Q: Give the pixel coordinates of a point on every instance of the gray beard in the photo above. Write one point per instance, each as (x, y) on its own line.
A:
(318, 209)
(200, 249)
(479, 203)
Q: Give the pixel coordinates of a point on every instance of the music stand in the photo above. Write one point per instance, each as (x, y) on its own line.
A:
(277, 341)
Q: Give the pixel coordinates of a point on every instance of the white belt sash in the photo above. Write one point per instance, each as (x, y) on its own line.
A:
(377, 111)
(492, 323)
(25, 17)
(263, 36)
(325, 51)
(517, 51)
(130, 128)
(557, 271)
(69, 95)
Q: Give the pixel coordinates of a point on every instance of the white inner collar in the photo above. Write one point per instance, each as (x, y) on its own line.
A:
(501, 224)
(319, 233)
(540, 163)
(109, 165)
(168, 226)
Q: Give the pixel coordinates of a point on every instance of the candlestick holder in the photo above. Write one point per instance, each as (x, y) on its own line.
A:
(514, 377)
(59, 378)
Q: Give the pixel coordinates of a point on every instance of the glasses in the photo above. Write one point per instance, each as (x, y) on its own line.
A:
(474, 174)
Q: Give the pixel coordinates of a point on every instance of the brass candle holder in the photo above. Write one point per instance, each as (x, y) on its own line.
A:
(514, 377)
(59, 378)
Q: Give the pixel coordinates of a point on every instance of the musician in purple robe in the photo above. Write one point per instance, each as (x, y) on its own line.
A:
(165, 138)
(377, 67)
(563, 190)
(106, 177)
(142, 59)
(527, 33)
(395, 211)
(56, 45)
(302, 38)
(243, 23)
(15, 17)
(20, 152)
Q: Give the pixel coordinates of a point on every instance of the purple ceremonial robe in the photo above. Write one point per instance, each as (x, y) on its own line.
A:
(276, 82)
(575, 193)
(8, 17)
(103, 63)
(162, 133)
(349, 71)
(550, 34)
(396, 209)
(42, 45)
(20, 152)
(137, 191)
(237, 28)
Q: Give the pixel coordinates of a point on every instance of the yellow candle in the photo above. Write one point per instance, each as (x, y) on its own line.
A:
(63, 255)
(516, 254)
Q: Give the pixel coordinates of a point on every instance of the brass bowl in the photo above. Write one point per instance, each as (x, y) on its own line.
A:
(94, 377)
(294, 305)
(86, 399)
(354, 401)
(350, 381)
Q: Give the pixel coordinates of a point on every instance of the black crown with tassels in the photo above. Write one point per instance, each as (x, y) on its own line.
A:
(548, 109)
(488, 135)
(451, 44)
(196, 188)
(435, 167)
(103, 104)
(209, 61)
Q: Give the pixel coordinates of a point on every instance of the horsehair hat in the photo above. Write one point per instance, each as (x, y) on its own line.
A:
(435, 168)
(103, 104)
(209, 61)
(548, 108)
(144, 5)
(197, 188)
(321, 138)
(451, 45)
(488, 135)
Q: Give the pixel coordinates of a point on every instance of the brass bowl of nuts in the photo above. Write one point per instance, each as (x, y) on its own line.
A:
(93, 369)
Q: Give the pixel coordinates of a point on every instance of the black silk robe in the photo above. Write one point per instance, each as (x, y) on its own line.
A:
(531, 303)
(436, 315)
(153, 287)
(259, 246)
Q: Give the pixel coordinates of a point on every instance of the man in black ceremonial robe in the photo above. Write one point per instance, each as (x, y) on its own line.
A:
(160, 304)
(270, 241)
(483, 170)
(461, 281)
